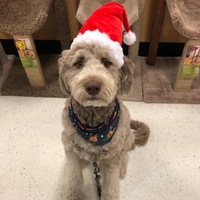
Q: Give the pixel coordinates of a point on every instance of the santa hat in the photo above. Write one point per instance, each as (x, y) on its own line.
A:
(104, 27)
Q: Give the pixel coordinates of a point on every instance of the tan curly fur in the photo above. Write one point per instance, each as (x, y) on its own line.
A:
(94, 112)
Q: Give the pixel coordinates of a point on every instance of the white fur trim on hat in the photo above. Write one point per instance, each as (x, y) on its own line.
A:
(115, 49)
(129, 38)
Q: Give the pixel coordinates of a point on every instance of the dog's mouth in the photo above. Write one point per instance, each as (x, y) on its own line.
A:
(92, 98)
(95, 101)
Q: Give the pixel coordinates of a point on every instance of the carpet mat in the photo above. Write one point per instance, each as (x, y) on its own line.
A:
(17, 83)
(157, 82)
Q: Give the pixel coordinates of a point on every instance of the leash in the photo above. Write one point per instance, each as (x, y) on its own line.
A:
(97, 178)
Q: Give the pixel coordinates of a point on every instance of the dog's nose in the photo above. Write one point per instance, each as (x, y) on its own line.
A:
(93, 87)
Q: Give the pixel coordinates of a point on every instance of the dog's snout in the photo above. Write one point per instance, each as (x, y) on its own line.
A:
(93, 87)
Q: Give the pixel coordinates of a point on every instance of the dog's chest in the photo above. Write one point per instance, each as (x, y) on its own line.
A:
(89, 154)
(83, 155)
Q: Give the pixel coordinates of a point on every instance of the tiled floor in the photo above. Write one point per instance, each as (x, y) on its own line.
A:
(32, 160)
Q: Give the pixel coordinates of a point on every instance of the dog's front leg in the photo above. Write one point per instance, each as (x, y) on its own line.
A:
(110, 187)
(74, 177)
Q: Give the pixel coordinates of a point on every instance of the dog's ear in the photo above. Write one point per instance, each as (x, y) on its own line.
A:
(62, 63)
(126, 77)
(64, 89)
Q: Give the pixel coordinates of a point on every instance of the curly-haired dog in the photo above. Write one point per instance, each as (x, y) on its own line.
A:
(93, 79)
(97, 126)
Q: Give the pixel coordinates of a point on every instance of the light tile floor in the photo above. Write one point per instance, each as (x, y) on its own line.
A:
(32, 160)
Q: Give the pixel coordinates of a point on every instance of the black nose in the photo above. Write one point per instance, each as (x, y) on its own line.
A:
(93, 87)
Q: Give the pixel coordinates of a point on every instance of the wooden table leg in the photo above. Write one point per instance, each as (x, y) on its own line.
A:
(156, 31)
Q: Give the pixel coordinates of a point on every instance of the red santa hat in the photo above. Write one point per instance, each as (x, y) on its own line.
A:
(104, 27)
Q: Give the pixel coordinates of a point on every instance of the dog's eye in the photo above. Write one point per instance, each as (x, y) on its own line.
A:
(79, 64)
(106, 63)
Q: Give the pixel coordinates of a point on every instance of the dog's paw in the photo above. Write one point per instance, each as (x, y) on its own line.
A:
(76, 195)
(110, 198)
(122, 172)
(70, 197)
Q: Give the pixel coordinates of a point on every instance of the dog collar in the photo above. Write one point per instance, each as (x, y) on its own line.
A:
(98, 135)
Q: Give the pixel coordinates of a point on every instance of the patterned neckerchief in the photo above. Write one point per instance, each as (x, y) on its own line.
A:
(98, 135)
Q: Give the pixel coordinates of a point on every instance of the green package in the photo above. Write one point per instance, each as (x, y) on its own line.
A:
(190, 71)
(28, 62)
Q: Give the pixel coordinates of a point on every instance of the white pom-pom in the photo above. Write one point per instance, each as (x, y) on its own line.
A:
(129, 38)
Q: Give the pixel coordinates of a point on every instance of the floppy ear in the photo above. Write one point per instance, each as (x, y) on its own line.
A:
(63, 87)
(126, 77)
(62, 62)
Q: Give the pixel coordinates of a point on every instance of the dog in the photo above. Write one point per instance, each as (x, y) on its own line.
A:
(91, 77)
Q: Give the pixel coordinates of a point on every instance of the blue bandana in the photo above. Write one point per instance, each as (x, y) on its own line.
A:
(98, 135)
